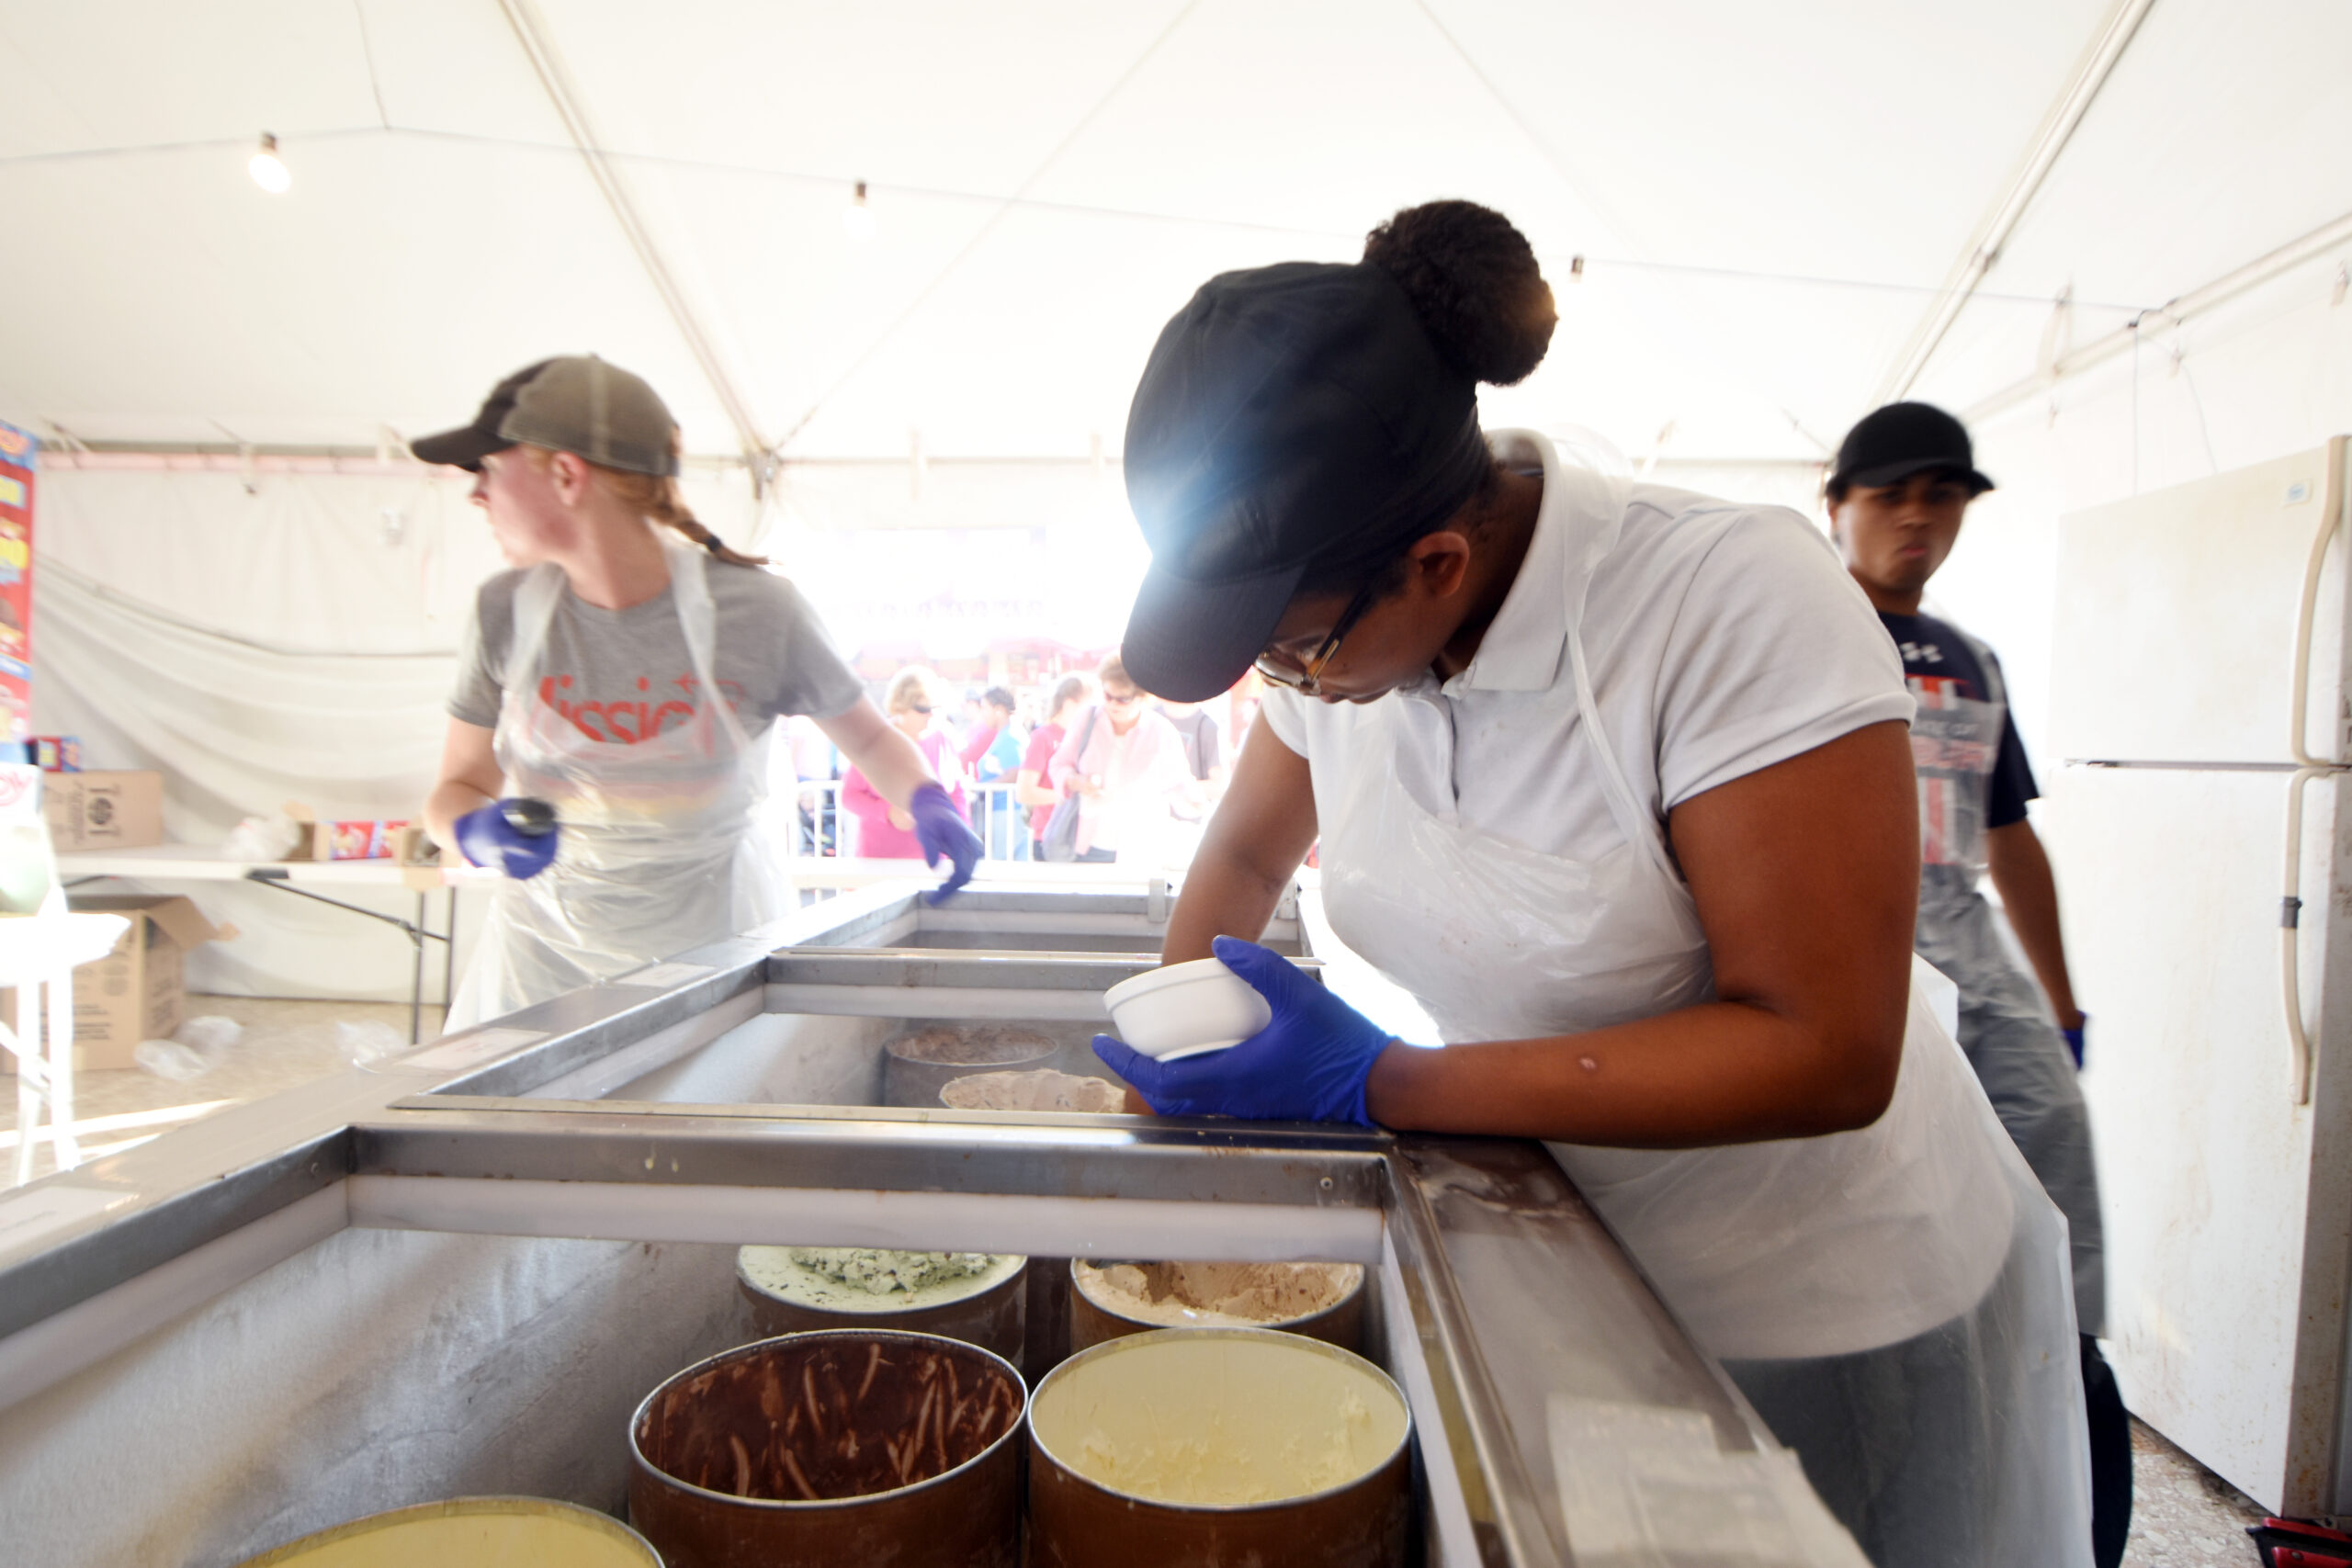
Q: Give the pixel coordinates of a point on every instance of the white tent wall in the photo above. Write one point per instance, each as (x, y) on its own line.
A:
(2268, 375)
(282, 636)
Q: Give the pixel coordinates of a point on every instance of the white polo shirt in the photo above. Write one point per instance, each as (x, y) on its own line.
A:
(1722, 639)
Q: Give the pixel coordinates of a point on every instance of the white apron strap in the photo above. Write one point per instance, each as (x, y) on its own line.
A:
(698, 618)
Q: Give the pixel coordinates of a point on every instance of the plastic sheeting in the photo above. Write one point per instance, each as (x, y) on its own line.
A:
(290, 638)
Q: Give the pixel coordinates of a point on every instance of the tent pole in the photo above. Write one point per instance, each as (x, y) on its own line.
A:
(539, 47)
(2178, 311)
(1984, 246)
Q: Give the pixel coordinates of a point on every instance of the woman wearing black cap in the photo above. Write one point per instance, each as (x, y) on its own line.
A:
(1615, 780)
(627, 672)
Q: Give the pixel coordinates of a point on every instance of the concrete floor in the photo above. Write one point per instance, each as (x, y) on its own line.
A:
(284, 1043)
(2183, 1515)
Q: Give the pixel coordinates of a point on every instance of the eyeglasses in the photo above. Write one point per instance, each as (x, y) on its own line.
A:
(1117, 700)
(919, 708)
(1306, 679)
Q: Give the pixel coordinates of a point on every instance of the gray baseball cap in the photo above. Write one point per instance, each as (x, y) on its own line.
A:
(576, 403)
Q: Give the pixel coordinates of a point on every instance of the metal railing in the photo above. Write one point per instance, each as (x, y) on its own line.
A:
(825, 829)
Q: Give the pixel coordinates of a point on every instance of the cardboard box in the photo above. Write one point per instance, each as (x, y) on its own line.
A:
(348, 839)
(416, 846)
(136, 992)
(102, 810)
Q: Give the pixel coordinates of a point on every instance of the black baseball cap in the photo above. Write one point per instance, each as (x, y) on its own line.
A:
(1290, 417)
(573, 404)
(1892, 444)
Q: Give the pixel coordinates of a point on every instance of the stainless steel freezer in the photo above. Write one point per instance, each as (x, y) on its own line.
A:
(458, 1273)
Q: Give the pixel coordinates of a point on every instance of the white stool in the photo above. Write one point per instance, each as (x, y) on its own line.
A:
(39, 951)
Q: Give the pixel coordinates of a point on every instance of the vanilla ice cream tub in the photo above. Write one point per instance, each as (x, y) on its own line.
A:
(1168, 1446)
(471, 1532)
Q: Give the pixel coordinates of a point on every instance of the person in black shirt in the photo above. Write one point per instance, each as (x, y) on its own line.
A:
(1905, 478)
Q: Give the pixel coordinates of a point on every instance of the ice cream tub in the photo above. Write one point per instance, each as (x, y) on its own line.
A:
(471, 1532)
(919, 1064)
(849, 1446)
(979, 1298)
(1322, 1300)
(1183, 1446)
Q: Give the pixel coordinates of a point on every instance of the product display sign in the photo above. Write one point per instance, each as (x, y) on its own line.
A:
(18, 450)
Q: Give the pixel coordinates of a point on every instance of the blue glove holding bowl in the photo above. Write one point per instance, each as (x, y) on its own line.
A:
(1309, 1065)
(941, 829)
(517, 835)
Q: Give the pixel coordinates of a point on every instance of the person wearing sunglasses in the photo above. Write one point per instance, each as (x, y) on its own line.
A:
(1124, 767)
(1616, 780)
(885, 830)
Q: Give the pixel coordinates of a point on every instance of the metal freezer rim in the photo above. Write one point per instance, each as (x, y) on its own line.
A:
(416, 1146)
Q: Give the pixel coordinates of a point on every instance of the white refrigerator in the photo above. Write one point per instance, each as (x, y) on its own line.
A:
(2199, 823)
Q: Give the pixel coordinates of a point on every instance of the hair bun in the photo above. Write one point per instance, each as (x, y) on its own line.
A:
(1474, 282)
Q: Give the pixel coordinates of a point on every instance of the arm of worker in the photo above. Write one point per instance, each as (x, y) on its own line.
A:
(895, 772)
(2020, 872)
(1805, 877)
(1029, 788)
(894, 769)
(463, 815)
(865, 803)
(1250, 851)
(470, 779)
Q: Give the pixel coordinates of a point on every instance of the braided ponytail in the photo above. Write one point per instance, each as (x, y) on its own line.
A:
(658, 498)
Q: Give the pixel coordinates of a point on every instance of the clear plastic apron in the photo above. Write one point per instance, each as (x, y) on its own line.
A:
(1792, 1251)
(2005, 1027)
(663, 847)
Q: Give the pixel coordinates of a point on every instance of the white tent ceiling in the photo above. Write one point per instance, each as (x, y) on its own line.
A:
(1770, 198)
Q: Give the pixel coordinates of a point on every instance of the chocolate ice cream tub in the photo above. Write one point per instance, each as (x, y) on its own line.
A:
(817, 1449)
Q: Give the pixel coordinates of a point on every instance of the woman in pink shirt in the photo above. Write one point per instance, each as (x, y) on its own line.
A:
(1124, 772)
(1034, 787)
(885, 832)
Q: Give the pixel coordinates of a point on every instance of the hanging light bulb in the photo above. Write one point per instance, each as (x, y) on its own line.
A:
(268, 170)
(857, 218)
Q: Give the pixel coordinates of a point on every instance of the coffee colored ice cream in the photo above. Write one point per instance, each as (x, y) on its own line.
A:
(1217, 1295)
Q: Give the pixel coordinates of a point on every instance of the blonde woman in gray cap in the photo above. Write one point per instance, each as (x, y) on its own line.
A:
(1614, 779)
(627, 673)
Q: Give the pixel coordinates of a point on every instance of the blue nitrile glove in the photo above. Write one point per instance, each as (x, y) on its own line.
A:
(941, 829)
(490, 837)
(1309, 1065)
(2073, 1038)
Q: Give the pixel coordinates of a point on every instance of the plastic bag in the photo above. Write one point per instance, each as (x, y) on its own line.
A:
(210, 1034)
(368, 1040)
(273, 837)
(169, 1059)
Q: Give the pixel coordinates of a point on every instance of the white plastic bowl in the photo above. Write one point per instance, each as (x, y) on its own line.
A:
(1186, 1009)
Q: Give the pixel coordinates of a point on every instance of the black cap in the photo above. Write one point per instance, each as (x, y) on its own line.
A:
(573, 404)
(1892, 444)
(1290, 417)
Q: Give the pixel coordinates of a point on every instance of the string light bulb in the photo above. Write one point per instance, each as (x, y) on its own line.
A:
(268, 170)
(857, 218)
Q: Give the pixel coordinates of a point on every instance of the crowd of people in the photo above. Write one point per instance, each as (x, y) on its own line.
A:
(1087, 768)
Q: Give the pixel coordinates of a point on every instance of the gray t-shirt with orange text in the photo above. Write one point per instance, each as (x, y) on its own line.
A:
(624, 676)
